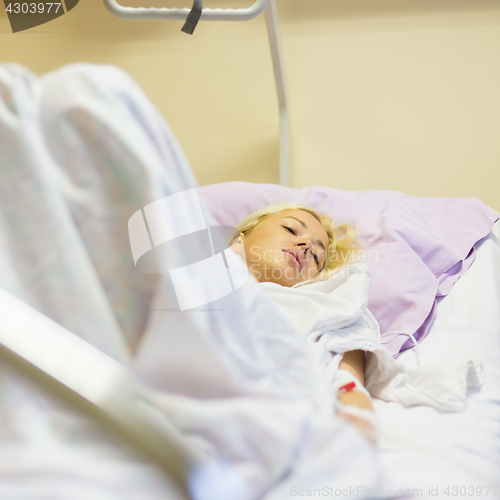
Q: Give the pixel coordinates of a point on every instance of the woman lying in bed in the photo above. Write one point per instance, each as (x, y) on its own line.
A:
(292, 245)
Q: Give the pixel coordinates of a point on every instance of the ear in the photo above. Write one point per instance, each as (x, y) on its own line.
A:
(237, 244)
(236, 238)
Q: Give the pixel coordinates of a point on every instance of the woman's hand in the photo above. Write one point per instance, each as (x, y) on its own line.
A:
(365, 426)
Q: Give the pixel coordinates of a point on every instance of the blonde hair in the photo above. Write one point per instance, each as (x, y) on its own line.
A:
(343, 244)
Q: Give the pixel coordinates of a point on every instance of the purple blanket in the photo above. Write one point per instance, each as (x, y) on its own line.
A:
(416, 248)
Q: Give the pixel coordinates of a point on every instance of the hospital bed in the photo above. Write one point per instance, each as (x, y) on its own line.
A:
(423, 453)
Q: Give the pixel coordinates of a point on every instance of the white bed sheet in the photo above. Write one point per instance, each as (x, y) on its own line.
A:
(454, 455)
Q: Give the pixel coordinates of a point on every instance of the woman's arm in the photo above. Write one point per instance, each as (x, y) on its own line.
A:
(354, 362)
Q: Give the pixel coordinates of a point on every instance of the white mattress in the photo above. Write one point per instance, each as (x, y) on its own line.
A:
(453, 455)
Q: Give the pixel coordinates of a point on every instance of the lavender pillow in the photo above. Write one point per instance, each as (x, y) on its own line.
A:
(416, 248)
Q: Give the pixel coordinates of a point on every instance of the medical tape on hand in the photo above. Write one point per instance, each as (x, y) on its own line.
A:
(344, 381)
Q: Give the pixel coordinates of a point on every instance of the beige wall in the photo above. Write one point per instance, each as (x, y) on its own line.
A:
(384, 94)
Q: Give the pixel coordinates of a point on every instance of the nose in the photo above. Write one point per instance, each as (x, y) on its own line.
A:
(305, 245)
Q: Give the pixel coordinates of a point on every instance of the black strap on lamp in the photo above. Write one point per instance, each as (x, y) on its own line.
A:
(193, 17)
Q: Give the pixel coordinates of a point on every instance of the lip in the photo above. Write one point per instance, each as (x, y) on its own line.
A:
(296, 258)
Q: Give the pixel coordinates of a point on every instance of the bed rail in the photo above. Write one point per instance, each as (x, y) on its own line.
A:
(65, 366)
(207, 14)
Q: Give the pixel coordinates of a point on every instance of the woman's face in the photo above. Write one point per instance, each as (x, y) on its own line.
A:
(286, 248)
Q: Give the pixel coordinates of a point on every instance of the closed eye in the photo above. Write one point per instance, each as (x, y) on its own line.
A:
(314, 255)
(315, 258)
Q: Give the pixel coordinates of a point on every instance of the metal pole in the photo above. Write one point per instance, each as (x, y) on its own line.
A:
(281, 87)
